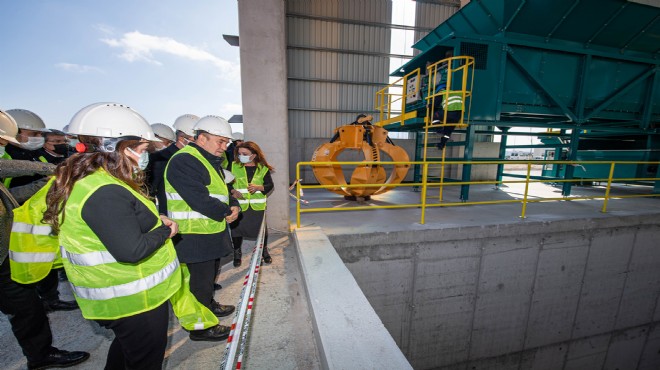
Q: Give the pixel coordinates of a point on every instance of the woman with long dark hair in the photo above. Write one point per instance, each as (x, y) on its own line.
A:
(116, 249)
(252, 185)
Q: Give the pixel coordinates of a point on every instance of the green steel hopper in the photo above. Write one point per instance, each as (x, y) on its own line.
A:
(586, 70)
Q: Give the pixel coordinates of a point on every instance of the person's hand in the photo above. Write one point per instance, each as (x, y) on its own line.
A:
(236, 194)
(174, 227)
(234, 214)
(252, 188)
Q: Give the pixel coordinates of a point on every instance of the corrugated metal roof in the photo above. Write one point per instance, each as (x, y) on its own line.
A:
(429, 15)
(325, 34)
(323, 51)
(338, 56)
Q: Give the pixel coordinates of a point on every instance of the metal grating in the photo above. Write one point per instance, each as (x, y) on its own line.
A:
(478, 51)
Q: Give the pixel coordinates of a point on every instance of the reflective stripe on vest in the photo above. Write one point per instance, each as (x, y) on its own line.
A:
(176, 196)
(127, 289)
(256, 201)
(104, 288)
(88, 259)
(189, 220)
(32, 257)
(22, 227)
(454, 102)
(33, 251)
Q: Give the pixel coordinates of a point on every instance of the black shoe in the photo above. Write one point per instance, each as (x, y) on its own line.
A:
(59, 358)
(237, 257)
(59, 305)
(266, 256)
(213, 334)
(217, 286)
(221, 310)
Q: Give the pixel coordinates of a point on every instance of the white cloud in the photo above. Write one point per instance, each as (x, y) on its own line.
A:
(137, 46)
(229, 109)
(79, 68)
(104, 29)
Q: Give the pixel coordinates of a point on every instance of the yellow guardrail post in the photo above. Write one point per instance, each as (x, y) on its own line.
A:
(524, 207)
(442, 174)
(425, 172)
(298, 185)
(607, 190)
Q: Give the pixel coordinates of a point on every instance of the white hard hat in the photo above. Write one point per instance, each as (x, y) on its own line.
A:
(110, 120)
(163, 131)
(66, 129)
(8, 127)
(214, 125)
(237, 135)
(27, 120)
(186, 123)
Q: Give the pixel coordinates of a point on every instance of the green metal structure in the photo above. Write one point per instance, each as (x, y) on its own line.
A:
(587, 70)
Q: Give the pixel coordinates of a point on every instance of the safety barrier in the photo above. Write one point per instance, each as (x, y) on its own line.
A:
(426, 184)
(242, 316)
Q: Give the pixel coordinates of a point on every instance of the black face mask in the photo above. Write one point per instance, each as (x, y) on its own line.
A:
(61, 149)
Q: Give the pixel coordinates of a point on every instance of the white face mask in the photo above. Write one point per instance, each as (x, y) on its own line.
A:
(244, 158)
(73, 143)
(2, 150)
(33, 143)
(143, 159)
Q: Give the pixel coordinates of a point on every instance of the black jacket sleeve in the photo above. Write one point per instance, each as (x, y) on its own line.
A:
(268, 183)
(123, 224)
(190, 178)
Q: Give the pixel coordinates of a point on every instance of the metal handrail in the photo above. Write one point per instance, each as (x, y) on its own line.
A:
(246, 301)
(425, 184)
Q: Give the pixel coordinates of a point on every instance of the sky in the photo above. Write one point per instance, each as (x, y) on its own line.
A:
(163, 58)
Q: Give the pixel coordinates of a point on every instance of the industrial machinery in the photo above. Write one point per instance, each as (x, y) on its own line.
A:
(586, 73)
(371, 140)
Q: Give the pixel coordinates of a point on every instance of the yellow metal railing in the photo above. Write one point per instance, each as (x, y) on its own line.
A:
(425, 184)
(391, 100)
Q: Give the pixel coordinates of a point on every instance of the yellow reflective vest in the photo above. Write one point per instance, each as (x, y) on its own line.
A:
(452, 101)
(105, 288)
(190, 221)
(256, 201)
(33, 251)
(6, 181)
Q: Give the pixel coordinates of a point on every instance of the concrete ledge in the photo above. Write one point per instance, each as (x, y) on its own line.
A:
(349, 333)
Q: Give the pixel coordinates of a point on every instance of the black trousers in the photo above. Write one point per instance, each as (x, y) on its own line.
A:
(26, 315)
(237, 242)
(140, 340)
(47, 287)
(202, 278)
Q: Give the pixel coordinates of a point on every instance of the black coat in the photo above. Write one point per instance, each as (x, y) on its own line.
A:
(190, 179)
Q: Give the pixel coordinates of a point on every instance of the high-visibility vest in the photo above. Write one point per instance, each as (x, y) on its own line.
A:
(190, 221)
(7, 180)
(452, 101)
(225, 162)
(33, 251)
(105, 288)
(256, 201)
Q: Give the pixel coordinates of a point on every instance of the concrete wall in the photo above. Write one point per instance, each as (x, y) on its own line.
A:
(263, 80)
(577, 294)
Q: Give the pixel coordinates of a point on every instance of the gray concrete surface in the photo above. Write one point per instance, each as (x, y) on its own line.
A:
(281, 333)
(477, 287)
(349, 333)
